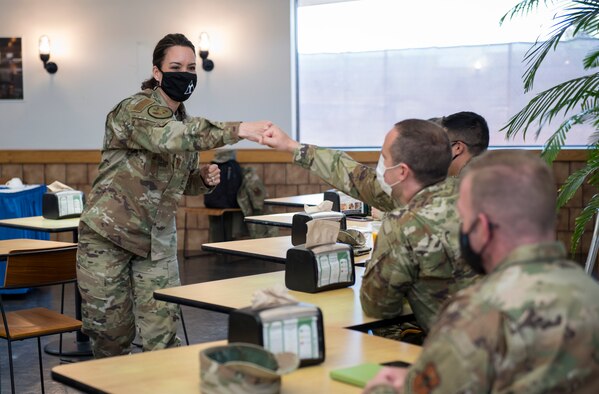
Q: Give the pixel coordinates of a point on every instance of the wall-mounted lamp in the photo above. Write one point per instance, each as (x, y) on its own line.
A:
(207, 64)
(44, 48)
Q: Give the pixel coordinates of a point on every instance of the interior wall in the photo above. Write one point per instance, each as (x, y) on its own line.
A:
(104, 50)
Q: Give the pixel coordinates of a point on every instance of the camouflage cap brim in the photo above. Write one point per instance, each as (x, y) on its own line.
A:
(244, 364)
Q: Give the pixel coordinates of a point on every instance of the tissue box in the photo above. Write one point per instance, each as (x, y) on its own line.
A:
(299, 221)
(296, 328)
(63, 204)
(321, 268)
(346, 204)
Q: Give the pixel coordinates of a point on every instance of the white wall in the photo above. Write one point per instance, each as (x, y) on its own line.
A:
(103, 49)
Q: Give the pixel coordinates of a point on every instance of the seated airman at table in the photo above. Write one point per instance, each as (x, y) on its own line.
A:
(468, 135)
(531, 324)
(416, 255)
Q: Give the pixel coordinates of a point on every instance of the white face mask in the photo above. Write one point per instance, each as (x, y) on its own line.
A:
(380, 175)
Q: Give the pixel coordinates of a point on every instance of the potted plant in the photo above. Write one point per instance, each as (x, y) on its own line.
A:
(577, 99)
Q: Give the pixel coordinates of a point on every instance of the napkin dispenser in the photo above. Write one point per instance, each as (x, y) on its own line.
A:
(299, 227)
(296, 328)
(63, 204)
(321, 268)
(346, 204)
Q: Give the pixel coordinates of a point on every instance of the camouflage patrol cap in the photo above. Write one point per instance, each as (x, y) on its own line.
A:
(243, 367)
(224, 155)
(352, 237)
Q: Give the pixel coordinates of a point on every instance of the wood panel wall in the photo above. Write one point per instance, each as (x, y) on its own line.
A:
(79, 168)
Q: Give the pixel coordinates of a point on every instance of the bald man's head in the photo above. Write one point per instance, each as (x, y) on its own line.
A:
(516, 189)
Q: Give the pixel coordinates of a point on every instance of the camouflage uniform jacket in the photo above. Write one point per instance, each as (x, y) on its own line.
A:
(250, 197)
(416, 255)
(149, 159)
(530, 326)
(344, 173)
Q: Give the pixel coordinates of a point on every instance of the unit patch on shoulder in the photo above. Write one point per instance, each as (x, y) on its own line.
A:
(138, 107)
(160, 112)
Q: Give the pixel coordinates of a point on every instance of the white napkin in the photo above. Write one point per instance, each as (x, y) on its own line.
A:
(58, 187)
(324, 206)
(15, 183)
(274, 296)
(322, 232)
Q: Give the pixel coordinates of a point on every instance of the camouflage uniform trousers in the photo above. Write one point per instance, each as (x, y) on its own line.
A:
(117, 295)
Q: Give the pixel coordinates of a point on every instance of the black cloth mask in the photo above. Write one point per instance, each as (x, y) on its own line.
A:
(178, 85)
(472, 258)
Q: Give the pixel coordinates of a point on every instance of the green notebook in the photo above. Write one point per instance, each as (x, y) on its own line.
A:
(358, 375)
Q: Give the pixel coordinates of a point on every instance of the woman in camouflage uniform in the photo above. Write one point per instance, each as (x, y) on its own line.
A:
(127, 237)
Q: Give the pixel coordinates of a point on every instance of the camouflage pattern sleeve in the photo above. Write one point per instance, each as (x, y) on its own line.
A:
(339, 170)
(195, 185)
(458, 355)
(140, 123)
(389, 274)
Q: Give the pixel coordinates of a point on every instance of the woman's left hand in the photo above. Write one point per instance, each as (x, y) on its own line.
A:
(210, 174)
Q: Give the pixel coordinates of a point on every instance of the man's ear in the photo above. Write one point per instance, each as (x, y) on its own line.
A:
(458, 148)
(484, 226)
(404, 171)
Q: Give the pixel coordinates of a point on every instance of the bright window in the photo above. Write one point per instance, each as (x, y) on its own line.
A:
(363, 65)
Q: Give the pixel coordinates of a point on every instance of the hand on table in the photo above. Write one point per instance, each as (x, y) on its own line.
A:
(391, 378)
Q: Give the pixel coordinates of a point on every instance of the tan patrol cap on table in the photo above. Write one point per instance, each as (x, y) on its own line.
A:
(243, 367)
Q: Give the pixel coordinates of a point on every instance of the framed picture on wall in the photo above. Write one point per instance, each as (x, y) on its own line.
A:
(11, 69)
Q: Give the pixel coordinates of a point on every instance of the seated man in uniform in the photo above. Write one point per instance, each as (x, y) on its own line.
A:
(416, 255)
(531, 325)
(469, 137)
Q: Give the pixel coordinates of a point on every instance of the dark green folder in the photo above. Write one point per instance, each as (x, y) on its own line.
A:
(358, 375)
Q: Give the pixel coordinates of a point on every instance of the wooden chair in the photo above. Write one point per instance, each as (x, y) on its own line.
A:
(36, 268)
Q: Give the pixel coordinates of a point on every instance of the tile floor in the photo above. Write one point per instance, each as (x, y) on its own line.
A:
(202, 326)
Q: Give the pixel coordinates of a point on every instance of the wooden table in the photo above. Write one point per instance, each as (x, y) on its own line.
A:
(286, 220)
(296, 201)
(39, 223)
(178, 370)
(8, 245)
(270, 249)
(341, 307)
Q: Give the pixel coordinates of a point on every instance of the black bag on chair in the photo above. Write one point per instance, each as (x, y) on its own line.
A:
(224, 194)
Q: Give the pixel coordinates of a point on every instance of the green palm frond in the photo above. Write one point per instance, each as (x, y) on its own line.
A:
(576, 179)
(591, 60)
(581, 16)
(557, 140)
(585, 216)
(549, 103)
(523, 8)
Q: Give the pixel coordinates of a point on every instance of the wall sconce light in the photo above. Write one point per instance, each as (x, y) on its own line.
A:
(207, 64)
(44, 48)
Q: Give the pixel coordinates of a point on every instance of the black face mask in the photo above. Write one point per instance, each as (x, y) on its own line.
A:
(178, 85)
(471, 257)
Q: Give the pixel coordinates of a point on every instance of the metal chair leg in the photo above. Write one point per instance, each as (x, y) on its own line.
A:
(12, 373)
(39, 356)
(184, 328)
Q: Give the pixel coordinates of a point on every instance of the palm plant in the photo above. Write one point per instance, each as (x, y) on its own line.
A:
(576, 99)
